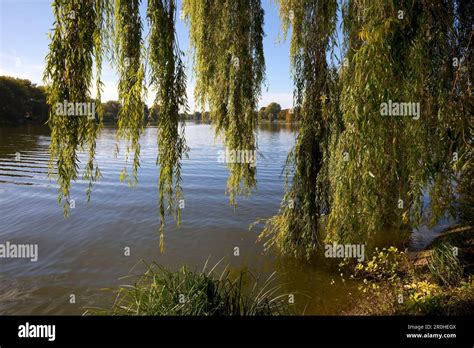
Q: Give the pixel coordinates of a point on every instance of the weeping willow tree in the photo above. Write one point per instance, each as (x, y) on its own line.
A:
(69, 74)
(296, 229)
(364, 173)
(128, 45)
(227, 41)
(463, 45)
(354, 169)
(401, 53)
(168, 77)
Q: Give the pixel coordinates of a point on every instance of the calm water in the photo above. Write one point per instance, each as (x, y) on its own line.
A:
(84, 254)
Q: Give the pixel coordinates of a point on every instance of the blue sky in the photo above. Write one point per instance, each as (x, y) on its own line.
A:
(24, 25)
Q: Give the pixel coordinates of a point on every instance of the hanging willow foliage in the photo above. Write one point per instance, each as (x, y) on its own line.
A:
(369, 172)
(353, 171)
(68, 74)
(295, 230)
(169, 79)
(227, 40)
(401, 52)
(129, 60)
(85, 30)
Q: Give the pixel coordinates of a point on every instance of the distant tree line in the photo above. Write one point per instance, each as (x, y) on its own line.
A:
(274, 113)
(21, 102)
(112, 108)
(24, 102)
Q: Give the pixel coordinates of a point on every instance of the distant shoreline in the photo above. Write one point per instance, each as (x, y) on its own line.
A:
(24, 103)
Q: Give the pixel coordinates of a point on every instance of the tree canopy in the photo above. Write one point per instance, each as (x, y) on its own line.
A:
(382, 91)
(22, 101)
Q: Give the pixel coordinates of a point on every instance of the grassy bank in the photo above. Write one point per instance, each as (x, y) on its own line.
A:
(436, 281)
(206, 293)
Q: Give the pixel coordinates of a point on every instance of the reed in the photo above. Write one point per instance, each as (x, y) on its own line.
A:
(445, 266)
(161, 292)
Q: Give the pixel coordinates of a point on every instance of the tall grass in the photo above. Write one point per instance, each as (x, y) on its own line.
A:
(162, 292)
(445, 266)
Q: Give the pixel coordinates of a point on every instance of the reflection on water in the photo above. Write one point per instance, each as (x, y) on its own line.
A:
(84, 253)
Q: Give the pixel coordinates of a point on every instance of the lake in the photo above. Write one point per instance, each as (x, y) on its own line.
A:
(84, 254)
